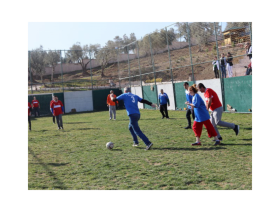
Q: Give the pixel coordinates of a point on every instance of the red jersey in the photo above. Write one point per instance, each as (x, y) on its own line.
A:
(110, 102)
(209, 93)
(29, 108)
(51, 103)
(35, 103)
(57, 110)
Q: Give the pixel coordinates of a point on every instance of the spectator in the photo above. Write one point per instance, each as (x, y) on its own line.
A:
(229, 64)
(112, 84)
(216, 67)
(163, 100)
(223, 66)
(249, 69)
(249, 52)
(112, 105)
(35, 106)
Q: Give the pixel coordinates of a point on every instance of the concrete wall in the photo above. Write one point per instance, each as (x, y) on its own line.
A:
(214, 84)
(80, 100)
(138, 91)
(168, 89)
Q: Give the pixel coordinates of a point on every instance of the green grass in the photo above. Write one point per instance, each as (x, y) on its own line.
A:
(76, 158)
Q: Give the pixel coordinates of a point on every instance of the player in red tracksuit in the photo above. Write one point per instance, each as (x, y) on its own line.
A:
(29, 115)
(53, 117)
(36, 106)
(57, 110)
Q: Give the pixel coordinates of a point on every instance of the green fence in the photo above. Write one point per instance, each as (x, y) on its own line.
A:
(100, 99)
(238, 93)
(150, 94)
(44, 100)
(179, 94)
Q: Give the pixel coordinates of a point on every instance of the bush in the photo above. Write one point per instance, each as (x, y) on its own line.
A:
(153, 80)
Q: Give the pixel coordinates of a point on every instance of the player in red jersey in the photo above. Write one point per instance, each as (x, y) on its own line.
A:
(213, 103)
(57, 110)
(29, 115)
(35, 106)
(53, 117)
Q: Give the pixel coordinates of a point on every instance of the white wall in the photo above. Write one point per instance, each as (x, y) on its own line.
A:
(138, 91)
(214, 84)
(168, 89)
(80, 100)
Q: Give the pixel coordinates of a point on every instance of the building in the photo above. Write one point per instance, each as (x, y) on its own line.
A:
(236, 35)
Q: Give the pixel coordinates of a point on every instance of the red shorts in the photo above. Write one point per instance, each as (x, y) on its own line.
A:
(197, 128)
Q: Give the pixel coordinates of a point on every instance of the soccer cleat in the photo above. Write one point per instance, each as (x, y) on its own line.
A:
(188, 127)
(217, 143)
(162, 117)
(115, 119)
(62, 128)
(196, 144)
(110, 118)
(53, 122)
(135, 145)
(220, 138)
(149, 146)
(167, 117)
(236, 129)
(58, 128)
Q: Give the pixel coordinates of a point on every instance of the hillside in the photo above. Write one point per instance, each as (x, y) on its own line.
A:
(180, 61)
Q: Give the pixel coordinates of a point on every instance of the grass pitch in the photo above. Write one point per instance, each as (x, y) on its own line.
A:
(76, 158)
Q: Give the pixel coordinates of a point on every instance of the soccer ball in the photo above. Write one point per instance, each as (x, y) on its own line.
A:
(110, 145)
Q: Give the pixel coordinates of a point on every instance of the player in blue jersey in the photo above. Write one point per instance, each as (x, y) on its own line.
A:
(189, 108)
(131, 105)
(202, 117)
(163, 100)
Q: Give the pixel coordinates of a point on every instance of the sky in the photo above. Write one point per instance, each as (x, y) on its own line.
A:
(62, 35)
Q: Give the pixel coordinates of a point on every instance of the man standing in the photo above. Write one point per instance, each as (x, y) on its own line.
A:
(163, 100)
(35, 106)
(229, 64)
(190, 110)
(223, 66)
(213, 103)
(131, 105)
(57, 110)
(248, 51)
(53, 117)
(216, 67)
(112, 105)
(29, 115)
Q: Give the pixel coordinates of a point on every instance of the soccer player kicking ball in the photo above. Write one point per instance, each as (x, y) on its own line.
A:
(29, 115)
(57, 110)
(131, 105)
(201, 117)
(213, 103)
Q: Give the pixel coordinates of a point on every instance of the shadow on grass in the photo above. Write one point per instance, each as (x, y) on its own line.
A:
(247, 139)
(223, 144)
(76, 122)
(88, 128)
(189, 149)
(57, 183)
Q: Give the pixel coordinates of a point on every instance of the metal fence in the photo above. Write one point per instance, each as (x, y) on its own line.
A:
(183, 51)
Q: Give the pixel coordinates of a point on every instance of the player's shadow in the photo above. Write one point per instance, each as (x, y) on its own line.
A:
(88, 128)
(190, 149)
(76, 122)
(57, 183)
(223, 144)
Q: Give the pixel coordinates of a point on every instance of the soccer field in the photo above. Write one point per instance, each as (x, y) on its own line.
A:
(77, 159)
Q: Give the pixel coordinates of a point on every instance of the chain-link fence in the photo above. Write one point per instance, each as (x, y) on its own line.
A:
(183, 51)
